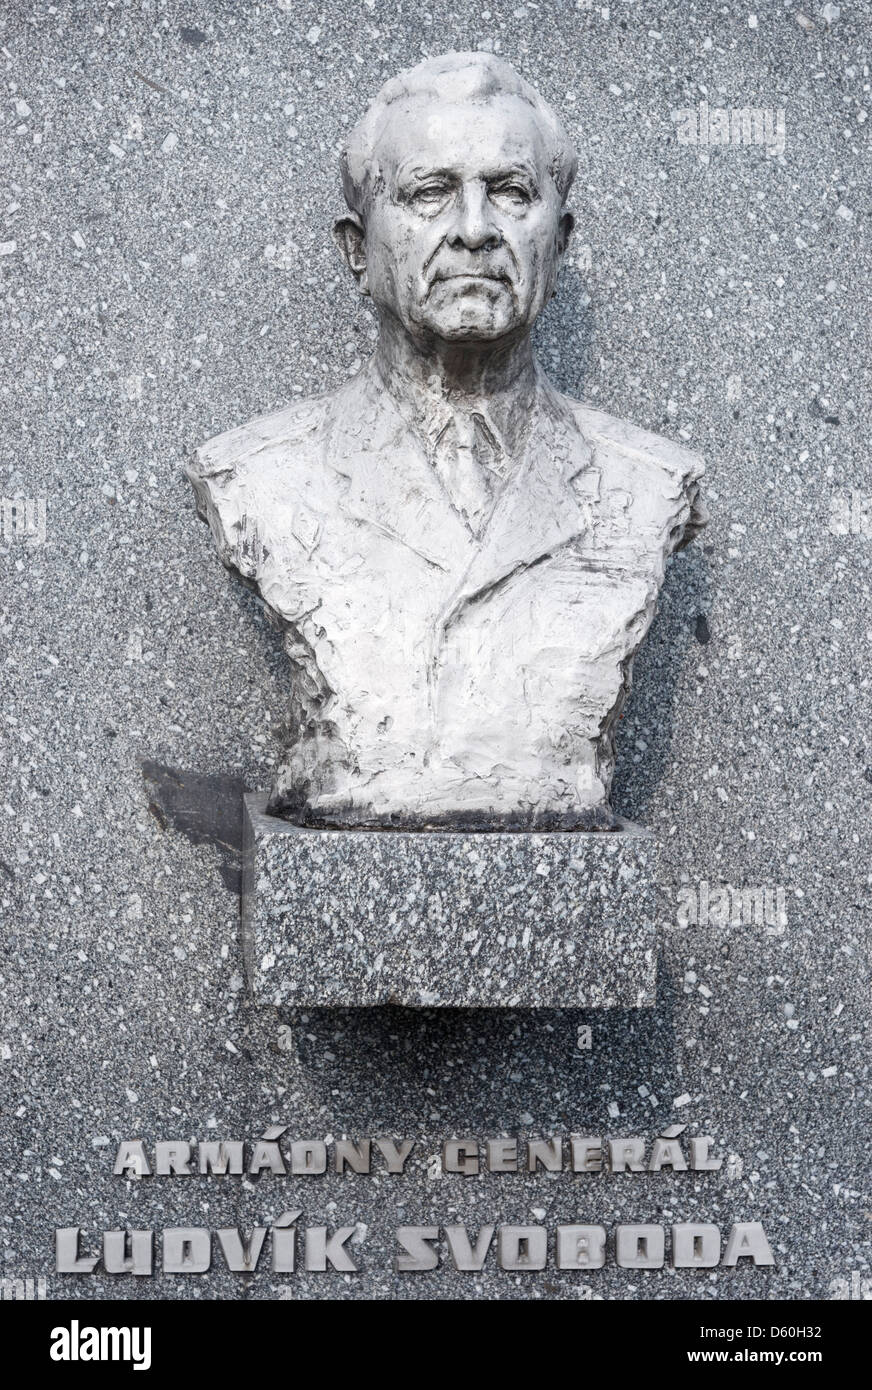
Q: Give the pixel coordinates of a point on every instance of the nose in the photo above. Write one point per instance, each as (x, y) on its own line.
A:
(474, 227)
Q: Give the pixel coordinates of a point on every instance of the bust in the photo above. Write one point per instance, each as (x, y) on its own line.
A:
(463, 561)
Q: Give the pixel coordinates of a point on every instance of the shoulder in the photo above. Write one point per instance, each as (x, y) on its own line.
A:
(240, 479)
(644, 447)
(288, 444)
(267, 479)
(661, 476)
(252, 447)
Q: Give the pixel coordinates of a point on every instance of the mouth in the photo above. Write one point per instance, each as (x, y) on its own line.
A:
(469, 277)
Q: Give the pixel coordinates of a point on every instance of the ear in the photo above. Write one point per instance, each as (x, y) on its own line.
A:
(348, 233)
(567, 222)
(564, 231)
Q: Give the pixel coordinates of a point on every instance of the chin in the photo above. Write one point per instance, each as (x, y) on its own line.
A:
(471, 323)
(476, 314)
(471, 332)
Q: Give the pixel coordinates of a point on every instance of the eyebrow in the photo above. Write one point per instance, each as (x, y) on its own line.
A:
(423, 171)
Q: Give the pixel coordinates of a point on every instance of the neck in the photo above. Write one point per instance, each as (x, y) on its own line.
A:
(497, 380)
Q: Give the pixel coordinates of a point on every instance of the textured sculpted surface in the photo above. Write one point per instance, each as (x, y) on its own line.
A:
(351, 918)
(463, 561)
(437, 675)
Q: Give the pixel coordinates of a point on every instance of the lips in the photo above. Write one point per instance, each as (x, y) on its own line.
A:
(477, 277)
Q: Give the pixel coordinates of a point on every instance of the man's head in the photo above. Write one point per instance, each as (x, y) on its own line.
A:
(456, 180)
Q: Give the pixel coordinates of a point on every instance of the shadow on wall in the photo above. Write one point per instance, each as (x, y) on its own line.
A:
(564, 335)
(206, 809)
(487, 1068)
(676, 636)
(564, 340)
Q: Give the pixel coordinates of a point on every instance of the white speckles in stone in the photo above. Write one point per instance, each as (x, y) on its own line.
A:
(127, 310)
(352, 932)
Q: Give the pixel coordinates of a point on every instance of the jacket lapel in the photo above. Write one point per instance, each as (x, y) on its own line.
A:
(391, 485)
(538, 509)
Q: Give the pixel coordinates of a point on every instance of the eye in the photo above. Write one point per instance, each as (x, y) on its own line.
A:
(514, 195)
(430, 194)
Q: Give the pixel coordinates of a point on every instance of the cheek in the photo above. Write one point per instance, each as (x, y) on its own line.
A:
(530, 258)
(396, 250)
(537, 250)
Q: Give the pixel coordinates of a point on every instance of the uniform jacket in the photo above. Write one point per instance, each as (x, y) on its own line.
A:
(440, 677)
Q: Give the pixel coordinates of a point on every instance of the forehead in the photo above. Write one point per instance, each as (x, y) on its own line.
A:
(468, 137)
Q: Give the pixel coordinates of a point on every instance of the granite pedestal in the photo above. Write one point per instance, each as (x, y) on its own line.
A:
(350, 918)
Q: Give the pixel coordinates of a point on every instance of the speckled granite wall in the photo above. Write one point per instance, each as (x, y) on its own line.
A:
(168, 182)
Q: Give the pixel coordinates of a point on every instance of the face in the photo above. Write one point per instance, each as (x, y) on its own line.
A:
(465, 230)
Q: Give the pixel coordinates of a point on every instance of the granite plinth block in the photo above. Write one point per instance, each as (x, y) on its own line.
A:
(350, 918)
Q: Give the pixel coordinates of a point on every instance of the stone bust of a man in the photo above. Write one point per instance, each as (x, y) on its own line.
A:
(463, 560)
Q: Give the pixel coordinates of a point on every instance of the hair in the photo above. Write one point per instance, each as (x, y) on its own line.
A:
(476, 77)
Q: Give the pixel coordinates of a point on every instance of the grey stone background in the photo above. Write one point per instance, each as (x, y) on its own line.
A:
(168, 177)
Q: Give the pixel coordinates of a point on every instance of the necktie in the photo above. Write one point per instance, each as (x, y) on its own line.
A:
(464, 457)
